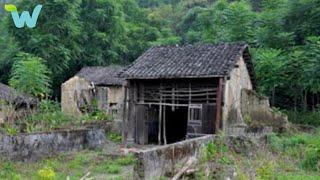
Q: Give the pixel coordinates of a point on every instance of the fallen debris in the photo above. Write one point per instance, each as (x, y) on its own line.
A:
(188, 165)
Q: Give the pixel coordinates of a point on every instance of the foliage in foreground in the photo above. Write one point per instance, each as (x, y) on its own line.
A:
(73, 166)
(296, 156)
(48, 116)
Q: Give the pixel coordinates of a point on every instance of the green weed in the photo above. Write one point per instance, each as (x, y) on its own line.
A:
(266, 171)
(117, 138)
(126, 160)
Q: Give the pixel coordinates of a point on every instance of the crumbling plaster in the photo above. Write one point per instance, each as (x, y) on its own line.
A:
(239, 79)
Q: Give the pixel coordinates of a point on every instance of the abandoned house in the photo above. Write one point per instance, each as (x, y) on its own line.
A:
(13, 104)
(177, 92)
(93, 87)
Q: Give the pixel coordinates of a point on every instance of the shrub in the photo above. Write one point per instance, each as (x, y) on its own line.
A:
(30, 75)
(46, 174)
(117, 138)
(48, 117)
(10, 130)
(211, 150)
(306, 118)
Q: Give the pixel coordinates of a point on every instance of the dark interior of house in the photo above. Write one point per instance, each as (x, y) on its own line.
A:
(176, 124)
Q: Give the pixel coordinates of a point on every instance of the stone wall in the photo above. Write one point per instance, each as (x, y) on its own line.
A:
(71, 92)
(78, 92)
(239, 79)
(32, 147)
(257, 112)
(155, 162)
(169, 159)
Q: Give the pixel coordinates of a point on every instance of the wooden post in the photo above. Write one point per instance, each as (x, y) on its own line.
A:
(160, 124)
(164, 125)
(124, 114)
(160, 116)
(219, 106)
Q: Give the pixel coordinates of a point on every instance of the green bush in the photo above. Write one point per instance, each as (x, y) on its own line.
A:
(47, 117)
(97, 115)
(117, 138)
(311, 118)
(30, 75)
(211, 151)
(46, 174)
(10, 130)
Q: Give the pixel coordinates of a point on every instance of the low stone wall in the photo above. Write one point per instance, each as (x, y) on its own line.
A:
(159, 161)
(256, 112)
(32, 147)
(155, 162)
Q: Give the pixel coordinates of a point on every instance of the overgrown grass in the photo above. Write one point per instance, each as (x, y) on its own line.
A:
(48, 116)
(287, 156)
(305, 148)
(73, 166)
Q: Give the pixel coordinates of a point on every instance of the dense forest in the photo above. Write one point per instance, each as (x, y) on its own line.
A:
(284, 36)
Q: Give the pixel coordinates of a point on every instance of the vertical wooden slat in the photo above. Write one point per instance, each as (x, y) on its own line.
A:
(164, 125)
(219, 106)
(131, 115)
(160, 116)
(124, 113)
(142, 134)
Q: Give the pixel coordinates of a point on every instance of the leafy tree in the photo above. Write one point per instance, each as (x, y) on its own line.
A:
(270, 26)
(103, 32)
(269, 64)
(221, 22)
(303, 19)
(30, 75)
(311, 65)
(55, 39)
(9, 49)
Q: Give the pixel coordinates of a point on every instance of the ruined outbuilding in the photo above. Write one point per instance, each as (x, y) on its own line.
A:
(14, 104)
(93, 86)
(177, 92)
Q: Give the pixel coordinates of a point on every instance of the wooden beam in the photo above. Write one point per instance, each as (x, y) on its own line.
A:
(168, 104)
(219, 105)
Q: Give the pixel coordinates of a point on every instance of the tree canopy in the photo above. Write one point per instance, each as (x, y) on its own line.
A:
(284, 36)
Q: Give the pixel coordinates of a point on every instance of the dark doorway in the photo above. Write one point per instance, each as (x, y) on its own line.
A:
(176, 123)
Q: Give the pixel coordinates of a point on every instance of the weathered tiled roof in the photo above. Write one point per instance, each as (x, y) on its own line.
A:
(12, 96)
(200, 60)
(102, 75)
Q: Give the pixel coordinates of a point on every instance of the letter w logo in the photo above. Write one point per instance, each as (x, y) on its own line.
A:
(25, 18)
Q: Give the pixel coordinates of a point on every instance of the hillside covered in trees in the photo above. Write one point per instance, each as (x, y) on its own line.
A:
(284, 36)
